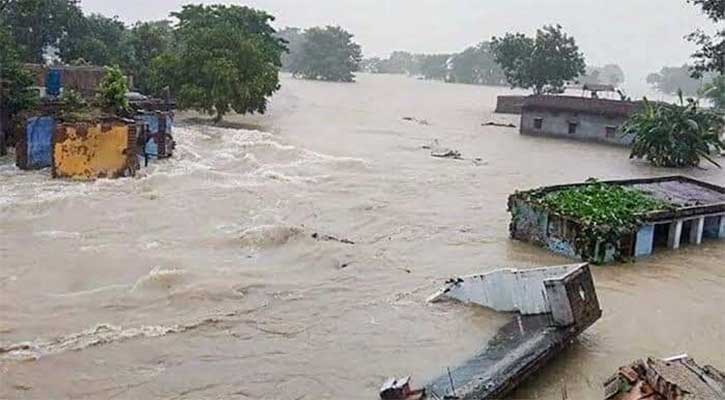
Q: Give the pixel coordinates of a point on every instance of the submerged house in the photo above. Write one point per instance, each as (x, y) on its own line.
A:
(84, 79)
(581, 118)
(673, 212)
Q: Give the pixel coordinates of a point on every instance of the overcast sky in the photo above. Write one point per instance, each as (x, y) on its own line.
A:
(639, 35)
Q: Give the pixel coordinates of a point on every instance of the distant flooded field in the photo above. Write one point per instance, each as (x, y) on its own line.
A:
(202, 279)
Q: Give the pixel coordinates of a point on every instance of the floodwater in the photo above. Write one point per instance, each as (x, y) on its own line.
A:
(201, 278)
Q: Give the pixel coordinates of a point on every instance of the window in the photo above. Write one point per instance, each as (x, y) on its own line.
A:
(611, 131)
(538, 123)
(572, 127)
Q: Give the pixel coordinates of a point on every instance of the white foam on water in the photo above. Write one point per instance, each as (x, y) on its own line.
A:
(265, 236)
(225, 158)
(159, 279)
(58, 234)
(99, 335)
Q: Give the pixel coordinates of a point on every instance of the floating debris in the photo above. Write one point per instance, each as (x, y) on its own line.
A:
(399, 389)
(330, 238)
(676, 378)
(499, 124)
(436, 150)
(419, 121)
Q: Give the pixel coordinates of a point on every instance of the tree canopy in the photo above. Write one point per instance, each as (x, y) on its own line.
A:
(477, 65)
(671, 80)
(715, 92)
(327, 54)
(37, 24)
(711, 54)
(147, 40)
(543, 63)
(97, 40)
(610, 74)
(225, 58)
(15, 95)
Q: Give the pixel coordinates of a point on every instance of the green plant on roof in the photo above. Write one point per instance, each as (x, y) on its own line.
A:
(112, 92)
(73, 107)
(605, 213)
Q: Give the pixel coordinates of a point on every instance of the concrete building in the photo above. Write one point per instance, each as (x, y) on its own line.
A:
(695, 212)
(548, 307)
(579, 118)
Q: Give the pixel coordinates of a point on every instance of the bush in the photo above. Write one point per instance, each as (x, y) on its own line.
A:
(112, 92)
(675, 135)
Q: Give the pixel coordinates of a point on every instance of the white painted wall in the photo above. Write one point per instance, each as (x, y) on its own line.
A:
(507, 290)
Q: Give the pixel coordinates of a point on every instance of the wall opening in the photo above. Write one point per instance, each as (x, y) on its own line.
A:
(572, 128)
(661, 236)
(538, 123)
(687, 227)
(611, 132)
(712, 227)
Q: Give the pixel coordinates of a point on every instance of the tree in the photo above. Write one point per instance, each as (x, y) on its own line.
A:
(671, 80)
(544, 63)
(15, 82)
(477, 65)
(328, 54)
(97, 40)
(294, 39)
(711, 55)
(147, 40)
(37, 24)
(225, 58)
(715, 92)
(610, 74)
(434, 66)
(675, 135)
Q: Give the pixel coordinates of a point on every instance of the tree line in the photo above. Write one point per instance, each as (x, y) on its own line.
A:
(492, 63)
(321, 53)
(223, 58)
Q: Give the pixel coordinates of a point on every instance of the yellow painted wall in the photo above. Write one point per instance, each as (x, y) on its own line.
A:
(91, 154)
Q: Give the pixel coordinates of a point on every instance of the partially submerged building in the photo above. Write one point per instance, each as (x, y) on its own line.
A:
(95, 149)
(84, 79)
(552, 307)
(692, 211)
(580, 118)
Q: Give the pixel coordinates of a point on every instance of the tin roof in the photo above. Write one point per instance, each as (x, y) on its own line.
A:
(581, 105)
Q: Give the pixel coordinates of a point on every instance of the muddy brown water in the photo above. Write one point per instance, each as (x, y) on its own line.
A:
(200, 278)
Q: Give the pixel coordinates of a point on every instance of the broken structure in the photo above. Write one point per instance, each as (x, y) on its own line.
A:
(98, 149)
(552, 305)
(155, 140)
(677, 378)
(691, 212)
(575, 117)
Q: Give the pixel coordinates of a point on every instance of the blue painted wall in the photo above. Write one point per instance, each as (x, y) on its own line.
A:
(645, 241)
(152, 123)
(39, 131)
(53, 82)
(712, 228)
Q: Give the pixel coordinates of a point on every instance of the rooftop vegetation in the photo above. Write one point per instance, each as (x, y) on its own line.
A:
(605, 213)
